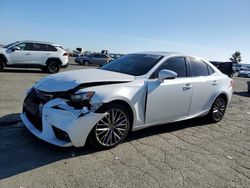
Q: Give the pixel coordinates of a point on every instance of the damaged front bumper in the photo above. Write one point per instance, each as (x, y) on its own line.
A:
(61, 124)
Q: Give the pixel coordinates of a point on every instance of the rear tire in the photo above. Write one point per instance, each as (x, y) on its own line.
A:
(111, 130)
(53, 67)
(2, 65)
(217, 110)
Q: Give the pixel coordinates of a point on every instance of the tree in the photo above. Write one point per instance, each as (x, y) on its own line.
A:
(236, 57)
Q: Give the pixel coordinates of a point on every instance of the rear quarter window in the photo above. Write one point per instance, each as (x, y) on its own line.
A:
(210, 70)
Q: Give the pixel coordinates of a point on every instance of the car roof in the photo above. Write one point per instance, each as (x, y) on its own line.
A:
(42, 42)
(165, 54)
(172, 54)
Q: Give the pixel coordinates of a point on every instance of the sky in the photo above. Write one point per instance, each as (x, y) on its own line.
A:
(212, 29)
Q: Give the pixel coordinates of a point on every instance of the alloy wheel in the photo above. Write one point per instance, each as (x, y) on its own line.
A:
(219, 108)
(112, 128)
(53, 67)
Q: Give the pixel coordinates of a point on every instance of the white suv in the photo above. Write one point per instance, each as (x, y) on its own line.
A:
(33, 54)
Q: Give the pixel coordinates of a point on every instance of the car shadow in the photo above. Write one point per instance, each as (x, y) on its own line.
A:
(20, 151)
(9, 119)
(74, 64)
(84, 66)
(167, 128)
(242, 93)
(11, 70)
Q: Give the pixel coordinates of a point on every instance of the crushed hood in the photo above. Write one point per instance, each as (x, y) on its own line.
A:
(71, 79)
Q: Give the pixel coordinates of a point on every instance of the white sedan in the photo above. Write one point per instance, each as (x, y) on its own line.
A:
(132, 92)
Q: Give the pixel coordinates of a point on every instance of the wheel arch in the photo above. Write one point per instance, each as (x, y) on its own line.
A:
(126, 105)
(53, 59)
(222, 94)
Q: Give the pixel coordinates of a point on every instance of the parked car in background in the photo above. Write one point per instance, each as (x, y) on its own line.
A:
(130, 93)
(75, 53)
(236, 68)
(244, 73)
(115, 56)
(93, 59)
(47, 56)
(224, 67)
(105, 52)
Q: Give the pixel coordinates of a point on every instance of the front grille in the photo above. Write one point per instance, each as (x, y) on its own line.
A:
(35, 98)
(39, 97)
(35, 120)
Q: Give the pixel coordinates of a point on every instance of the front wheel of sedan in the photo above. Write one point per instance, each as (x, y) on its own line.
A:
(112, 129)
(217, 110)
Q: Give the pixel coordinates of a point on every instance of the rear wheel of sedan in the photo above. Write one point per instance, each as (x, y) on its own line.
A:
(112, 129)
(217, 110)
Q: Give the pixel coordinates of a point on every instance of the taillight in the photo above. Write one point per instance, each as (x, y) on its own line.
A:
(66, 54)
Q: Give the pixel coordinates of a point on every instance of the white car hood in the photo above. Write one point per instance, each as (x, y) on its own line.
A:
(71, 79)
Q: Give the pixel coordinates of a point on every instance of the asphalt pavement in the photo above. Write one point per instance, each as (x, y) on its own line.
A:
(191, 153)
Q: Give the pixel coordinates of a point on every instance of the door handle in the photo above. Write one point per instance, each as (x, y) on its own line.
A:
(27, 54)
(187, 86)
(47, 54)
(214, 83)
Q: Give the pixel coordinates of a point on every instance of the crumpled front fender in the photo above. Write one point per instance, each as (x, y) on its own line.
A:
(76, 124)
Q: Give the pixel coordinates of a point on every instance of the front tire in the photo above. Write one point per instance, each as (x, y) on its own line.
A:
(112, 129)
(217, 110)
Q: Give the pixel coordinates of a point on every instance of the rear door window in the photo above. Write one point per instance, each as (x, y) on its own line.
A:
(41, 47)
(51, 48)
(198, 67)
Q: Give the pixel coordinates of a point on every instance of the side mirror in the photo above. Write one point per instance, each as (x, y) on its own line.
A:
(166, 74)
(15, 48)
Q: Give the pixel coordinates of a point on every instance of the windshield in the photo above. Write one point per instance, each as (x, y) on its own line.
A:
(8, 45)
(133, 64)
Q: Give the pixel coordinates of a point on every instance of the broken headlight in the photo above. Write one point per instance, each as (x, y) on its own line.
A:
(81, 97)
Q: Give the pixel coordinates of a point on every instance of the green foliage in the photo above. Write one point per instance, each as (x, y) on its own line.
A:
(236, 57)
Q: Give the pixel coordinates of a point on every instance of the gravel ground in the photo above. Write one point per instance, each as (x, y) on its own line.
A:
(185, 154)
